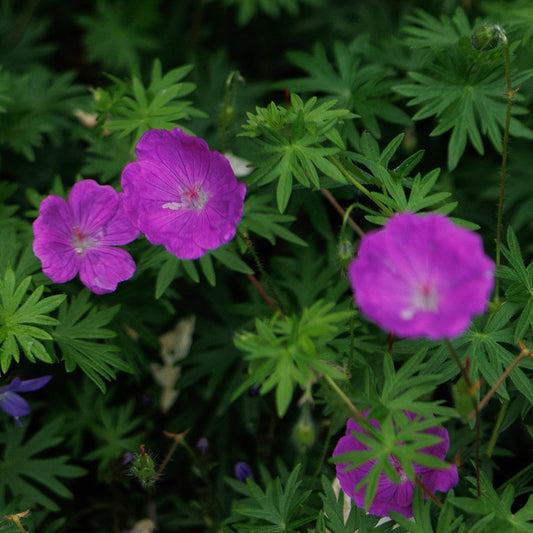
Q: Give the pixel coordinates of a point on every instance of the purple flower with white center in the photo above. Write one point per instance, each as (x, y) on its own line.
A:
(392, 496)
(80, 236)
(421, 276)
(15, 405)
(182, 195)
(243, 471)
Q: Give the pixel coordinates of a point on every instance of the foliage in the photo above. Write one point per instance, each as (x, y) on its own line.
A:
(341, 114)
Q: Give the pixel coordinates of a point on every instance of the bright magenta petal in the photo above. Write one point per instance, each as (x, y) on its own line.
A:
(182, 195)
(421, 276)
(104, 267)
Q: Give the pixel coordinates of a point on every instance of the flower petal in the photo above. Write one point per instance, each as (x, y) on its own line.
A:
(52, 242)
(92, 205)
(421, 276)
(29, 385)
(14, 405)
(172, 166)
(103, 267)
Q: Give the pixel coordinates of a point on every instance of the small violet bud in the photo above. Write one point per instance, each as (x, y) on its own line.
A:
(243, 471)
(202, 445)
(487, 37)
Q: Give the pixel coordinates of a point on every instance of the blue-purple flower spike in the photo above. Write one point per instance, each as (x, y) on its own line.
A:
(13, 404)
(243, 471)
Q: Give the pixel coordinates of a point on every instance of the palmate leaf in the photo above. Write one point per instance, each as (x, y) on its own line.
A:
(276, 509)
(293, 140)
(491, 347)
(31, 478)
(160, 105)
(116, 32)
(464, 89)
(497, 511)
(20, 316)
(289, 352)
(399, 437)
(403, 388)
(43, 107)
(521, 288)
(247, 9)
(116, 431)
(81, 336)
(396, 182)
(361, 87)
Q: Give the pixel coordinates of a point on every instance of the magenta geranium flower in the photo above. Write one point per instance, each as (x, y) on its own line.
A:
(421, 276)
(392, 496)
(182, 195)
(80, 236)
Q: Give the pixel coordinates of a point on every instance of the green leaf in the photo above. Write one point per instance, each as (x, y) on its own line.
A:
(30, 478)
(293, 140)
(19, 320)
(356, 82)
(278, 508)
(81, 338)
(464, 90)
(136, 109)
(116, 431)
(289, 352)
(166, 275)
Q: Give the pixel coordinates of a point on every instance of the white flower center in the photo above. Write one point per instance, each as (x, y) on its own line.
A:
(424, 298)
(80, 241)
(190, 198)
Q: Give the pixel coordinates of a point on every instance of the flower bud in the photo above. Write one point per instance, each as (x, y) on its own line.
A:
(143, 468)
(345, 253)
(486, 37)
(243, 471)
(304, 430)
(202, 445)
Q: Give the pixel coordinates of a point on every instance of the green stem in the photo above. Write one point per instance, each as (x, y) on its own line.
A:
(351, 407)
(499, 381)
(495, 431)
(469, 384)
(264, 273)
(359, 186)
(510, 95)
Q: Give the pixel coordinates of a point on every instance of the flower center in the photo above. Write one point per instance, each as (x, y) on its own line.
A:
(190, 198)
(80, 241)
(398, 467)
(424, 298)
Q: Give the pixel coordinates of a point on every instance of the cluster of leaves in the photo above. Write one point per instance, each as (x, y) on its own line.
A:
(365, 105)
(293, 138)
(290, 351)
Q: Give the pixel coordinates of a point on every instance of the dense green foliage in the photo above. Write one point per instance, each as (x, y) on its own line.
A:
(376, 107)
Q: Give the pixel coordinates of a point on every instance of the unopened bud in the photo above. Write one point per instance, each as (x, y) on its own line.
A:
(243, 471)
(487, 37)
(304, 430)
(345, 253)
(143, 468)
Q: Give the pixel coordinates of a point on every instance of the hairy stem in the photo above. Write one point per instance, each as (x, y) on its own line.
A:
(510, 95)
(359, 186)
(263, 273)
(331, 199)
(524, 353)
